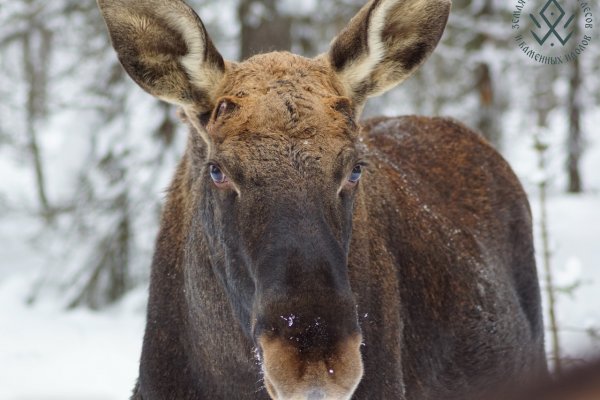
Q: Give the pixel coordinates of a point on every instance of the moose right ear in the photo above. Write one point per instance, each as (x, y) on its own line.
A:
(386, 42)
(164, 47)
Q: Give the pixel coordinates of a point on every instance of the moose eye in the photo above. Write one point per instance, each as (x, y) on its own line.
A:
(355, 174)
(217, 175)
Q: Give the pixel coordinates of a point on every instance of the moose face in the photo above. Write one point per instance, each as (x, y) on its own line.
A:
(276, 170)
(280, 176)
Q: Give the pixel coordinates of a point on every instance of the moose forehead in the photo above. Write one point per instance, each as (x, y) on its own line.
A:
(282, 101)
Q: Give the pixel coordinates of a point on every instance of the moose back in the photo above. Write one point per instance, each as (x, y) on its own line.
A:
(305, 255)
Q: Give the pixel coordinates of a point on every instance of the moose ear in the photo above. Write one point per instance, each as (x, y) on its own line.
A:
(385, 42)
(164, 47)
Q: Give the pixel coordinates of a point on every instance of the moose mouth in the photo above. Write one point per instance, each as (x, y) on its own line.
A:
(293, 373)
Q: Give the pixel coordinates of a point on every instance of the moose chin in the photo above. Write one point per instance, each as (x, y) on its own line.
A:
(304, 254)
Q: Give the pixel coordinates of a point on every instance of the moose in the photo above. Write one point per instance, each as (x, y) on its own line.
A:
(304, 254)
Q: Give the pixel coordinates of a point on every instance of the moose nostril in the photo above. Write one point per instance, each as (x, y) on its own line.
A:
(315, 394)
(308, 335)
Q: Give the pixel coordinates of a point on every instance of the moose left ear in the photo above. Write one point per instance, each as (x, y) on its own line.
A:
(386, 42)
(164, 47)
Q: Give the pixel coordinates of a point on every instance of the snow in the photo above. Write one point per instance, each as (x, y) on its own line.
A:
(574, 226)
(50, 354)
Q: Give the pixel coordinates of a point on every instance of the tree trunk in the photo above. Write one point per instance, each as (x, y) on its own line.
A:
(262, 28)
(489, 113)
(168, 127)
(550, 289)
(109, 278)
(36, 54)
(574, 140)
(487, 119)
(544, 98)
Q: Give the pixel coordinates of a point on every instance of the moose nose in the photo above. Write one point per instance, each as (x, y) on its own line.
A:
(288, 375)
(310, 346)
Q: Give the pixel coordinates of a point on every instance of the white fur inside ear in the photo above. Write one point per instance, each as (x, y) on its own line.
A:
(360, 69)
(202, 75)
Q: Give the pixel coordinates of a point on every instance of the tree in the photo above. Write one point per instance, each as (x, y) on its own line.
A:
(263, 29)
(575, 134)
(489, 113)
(29, 31)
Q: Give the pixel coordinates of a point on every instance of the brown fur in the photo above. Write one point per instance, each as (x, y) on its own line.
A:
(428, 260)
(576, 383)
(580, 383)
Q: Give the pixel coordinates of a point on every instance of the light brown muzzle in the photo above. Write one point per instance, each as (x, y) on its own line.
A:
(290, 374)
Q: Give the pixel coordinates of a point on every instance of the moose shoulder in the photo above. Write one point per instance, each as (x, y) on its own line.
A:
(304, 255)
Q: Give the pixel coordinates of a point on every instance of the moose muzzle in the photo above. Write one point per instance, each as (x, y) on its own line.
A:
(310, 347)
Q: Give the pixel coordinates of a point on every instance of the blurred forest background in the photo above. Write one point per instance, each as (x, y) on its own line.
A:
(85, 155)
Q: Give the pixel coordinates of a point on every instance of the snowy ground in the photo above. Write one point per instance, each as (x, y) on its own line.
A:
(50, 354)
(47, 353)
